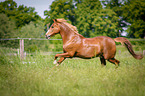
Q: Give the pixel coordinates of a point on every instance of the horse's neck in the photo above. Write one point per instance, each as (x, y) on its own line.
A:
(68, 35)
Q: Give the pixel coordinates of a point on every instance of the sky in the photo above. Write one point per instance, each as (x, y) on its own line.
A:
(39, 5)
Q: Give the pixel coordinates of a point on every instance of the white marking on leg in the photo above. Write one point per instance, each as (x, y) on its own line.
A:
(55, 62)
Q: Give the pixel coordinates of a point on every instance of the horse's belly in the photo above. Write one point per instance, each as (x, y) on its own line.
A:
(88, 52)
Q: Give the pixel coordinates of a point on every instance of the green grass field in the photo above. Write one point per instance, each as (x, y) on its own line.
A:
(34, 76)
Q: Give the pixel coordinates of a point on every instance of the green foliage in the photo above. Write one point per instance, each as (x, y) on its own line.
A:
(137, 42)
(31, 48)
(131, 13)
(7, 30)
(32, 30)
(115, 5)
(7, 27)
(98, 22)
(86, 12)
(21, 15)
(134, 12)
(60, 9)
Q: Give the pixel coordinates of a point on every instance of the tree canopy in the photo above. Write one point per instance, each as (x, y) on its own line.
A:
(91, 17)
(20, 14)
(131, 13)
(7, 27)
(134, 13)
(93, 20)
(60, 9)
(7, 30)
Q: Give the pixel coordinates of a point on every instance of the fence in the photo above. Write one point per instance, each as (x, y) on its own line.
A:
(22, 45)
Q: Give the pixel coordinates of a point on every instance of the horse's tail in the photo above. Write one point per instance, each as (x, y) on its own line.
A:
(128, 46)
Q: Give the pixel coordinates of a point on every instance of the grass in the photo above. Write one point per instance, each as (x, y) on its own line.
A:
(34, 76)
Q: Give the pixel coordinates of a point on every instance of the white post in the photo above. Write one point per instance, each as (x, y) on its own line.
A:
(22, 49)
(143, 52)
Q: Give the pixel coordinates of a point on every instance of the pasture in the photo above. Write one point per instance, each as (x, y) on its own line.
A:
(35, 76)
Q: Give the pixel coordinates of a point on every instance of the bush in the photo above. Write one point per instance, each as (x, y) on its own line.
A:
(31, 48)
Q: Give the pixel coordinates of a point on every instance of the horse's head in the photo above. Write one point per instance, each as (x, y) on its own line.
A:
(54, 29)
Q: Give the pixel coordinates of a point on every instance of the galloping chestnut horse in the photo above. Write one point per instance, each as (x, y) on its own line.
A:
(75, 45)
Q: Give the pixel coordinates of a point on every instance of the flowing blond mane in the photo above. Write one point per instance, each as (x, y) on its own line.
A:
(73, 28)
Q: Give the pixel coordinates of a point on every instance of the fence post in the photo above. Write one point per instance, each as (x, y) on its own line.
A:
(143, 52)
(18, 50)
(22, 49)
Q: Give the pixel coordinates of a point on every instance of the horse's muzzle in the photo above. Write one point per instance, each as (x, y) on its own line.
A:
(47, 36)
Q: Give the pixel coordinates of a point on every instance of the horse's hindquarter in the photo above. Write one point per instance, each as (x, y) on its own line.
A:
(108, 46)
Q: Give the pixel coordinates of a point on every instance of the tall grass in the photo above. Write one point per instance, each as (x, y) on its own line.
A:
(35, 76)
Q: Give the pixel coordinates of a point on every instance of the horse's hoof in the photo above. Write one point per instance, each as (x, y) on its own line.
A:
(55, 62)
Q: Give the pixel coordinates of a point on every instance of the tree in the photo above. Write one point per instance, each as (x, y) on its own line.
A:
(32, 30)
(21, 15)
(93, 20)
(116, 6)
(7, 30)
(60, 9)
(131, 13)
(7, 27)
(134, 13)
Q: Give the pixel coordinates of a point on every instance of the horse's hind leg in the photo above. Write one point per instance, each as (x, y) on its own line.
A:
(103, 62)
(114, 61)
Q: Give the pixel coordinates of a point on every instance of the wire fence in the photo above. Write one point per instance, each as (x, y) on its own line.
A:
(54, 39)
(30, 45)
(29, 39)
(27, 46)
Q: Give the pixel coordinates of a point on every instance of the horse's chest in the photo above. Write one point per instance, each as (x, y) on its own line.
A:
(72, 44)
(70, 47)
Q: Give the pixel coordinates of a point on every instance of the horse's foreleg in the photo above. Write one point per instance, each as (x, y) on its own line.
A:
(63, 56)
(103, 62)
(61, 60)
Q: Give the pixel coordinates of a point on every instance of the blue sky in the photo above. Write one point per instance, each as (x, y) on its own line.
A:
(39, 5)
